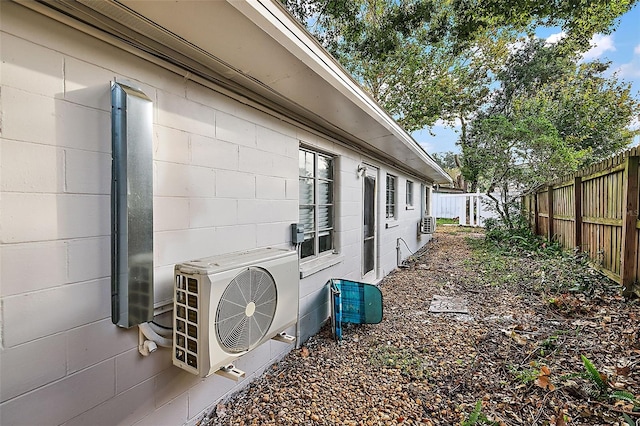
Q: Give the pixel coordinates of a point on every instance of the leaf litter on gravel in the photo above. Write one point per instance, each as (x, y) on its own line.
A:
(517, 353)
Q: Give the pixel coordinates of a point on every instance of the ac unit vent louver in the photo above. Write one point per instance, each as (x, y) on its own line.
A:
(428, 225)
(227, 305)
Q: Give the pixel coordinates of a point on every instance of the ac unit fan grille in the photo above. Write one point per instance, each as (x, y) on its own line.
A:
(246, 310)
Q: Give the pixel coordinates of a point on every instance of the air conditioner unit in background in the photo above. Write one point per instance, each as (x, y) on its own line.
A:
(428, 225)
(225, 306)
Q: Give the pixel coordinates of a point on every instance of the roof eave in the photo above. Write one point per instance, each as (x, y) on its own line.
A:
(273, 18)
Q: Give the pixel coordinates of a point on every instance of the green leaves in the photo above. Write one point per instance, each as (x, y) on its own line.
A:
(474, 415)
(603, 389)
(624, 396)
(551, 116)
(409, 55)
(425, 60)
(594, 375)
(477, 418)
(579, 19)
(527, 111)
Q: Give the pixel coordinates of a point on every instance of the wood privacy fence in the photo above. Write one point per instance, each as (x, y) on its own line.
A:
(595, 211)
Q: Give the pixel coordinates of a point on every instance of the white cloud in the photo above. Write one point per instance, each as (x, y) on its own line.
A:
(429, 147)
(629, 71)
(446, 124)
(637, 50)
(599, 44)
(554, 38)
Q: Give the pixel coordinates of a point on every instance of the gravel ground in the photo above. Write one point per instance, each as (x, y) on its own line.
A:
(417, 367)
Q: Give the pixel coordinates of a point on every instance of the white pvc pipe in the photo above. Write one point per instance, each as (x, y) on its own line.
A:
(148, 332)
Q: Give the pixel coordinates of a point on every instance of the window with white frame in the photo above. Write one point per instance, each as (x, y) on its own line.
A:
(391, 196)
(409, 194)
(316, 202)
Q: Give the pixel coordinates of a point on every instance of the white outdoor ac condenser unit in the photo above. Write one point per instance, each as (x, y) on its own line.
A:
(428, 225)
(225, 306)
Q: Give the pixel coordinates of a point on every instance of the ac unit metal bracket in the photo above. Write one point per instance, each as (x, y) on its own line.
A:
(231, 372)
(284, 338)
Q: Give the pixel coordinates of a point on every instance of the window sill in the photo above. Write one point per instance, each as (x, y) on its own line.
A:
(310, 267)
(391, 224)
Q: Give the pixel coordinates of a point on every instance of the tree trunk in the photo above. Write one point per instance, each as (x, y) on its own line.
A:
(498, 207)
(473, 182)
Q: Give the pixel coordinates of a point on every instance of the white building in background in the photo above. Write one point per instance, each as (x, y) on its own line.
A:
(253, 126)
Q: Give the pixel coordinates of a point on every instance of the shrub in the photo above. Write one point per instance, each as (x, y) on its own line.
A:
(517, 235)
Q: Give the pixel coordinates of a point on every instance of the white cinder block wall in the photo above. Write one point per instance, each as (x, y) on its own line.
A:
(225, 179)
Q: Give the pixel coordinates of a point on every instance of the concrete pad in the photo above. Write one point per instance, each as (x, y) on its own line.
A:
(447, 304)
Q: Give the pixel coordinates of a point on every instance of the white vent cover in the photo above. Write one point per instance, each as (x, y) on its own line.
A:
(227, 305)
(428, 225)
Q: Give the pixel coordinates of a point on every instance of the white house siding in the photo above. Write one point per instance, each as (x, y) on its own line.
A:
(225, 180)
(314, 297)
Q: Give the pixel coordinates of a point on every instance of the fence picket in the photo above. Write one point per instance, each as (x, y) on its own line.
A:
(577, 212)
(595, 210)
(629, 229)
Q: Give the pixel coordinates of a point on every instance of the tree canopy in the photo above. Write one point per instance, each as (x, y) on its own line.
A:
(551, 115)
(526, 110)
(374, 28)
(408, 54)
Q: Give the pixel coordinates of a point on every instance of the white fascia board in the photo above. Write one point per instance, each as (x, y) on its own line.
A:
(273, 19)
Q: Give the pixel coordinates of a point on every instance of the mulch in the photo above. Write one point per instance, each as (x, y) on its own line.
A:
(517, 353)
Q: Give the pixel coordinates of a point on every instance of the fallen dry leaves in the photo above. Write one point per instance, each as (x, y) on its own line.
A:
(517, 352)
(544, 380)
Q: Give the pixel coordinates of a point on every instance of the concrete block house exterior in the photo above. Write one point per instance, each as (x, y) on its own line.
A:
(254, 127)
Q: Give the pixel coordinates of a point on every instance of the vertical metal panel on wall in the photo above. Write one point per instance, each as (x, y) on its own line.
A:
(131, 206)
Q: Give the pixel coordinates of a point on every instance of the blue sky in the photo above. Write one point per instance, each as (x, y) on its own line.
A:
(621, 47)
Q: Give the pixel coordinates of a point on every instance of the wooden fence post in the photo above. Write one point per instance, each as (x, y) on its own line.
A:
(550, 201)
(629, 220)
(532, 214)
(577, 211)
(535, 214)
